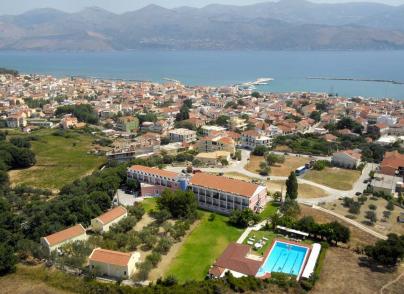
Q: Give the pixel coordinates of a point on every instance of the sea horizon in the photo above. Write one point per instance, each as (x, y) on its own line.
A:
(290, 70)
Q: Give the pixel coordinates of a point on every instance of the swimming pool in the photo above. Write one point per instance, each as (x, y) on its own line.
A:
(284, 258)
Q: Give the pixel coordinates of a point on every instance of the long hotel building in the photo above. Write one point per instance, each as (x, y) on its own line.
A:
(215, 193)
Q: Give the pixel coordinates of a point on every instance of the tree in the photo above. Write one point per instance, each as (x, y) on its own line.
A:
(223, 120)
(272, 158)
(83, 112)
(316, 116)
(8, 259)
(256, 94)
(390, 205)
(371, 216)
(183, 114)
(277, 196)
(387, 252)
(260, 150)
(243, 218)
(181, 204)
(292, 187)
(264, 168)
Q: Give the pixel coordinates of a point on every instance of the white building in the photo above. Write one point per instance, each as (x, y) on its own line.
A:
(208, 130)
(58, 239)
(346, 159)
(104, 222)
(113, 263)
(252, 139)
(182, 135)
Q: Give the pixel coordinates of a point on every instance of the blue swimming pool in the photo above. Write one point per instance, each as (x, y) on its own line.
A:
(284, 258)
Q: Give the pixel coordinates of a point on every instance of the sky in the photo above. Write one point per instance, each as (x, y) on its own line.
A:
(118, 6)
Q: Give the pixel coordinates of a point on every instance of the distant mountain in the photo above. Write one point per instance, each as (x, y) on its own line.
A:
(288, 24)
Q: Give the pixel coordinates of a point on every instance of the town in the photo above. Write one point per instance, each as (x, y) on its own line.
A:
(148, 184)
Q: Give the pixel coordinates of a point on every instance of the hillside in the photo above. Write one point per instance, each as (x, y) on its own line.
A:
(288, 24)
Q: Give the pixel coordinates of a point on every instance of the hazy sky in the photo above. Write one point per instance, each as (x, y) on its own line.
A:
(18, 6)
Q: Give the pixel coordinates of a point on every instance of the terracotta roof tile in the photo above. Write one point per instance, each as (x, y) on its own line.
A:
(110, 257)
(112, 214)
(224, 184)
(64, 235)
(154, 171)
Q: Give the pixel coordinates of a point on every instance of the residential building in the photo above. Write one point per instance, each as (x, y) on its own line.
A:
(207, 130)
(182, 135)
(104, 222)
(113, 264)
(217, 143)
(346, 159)
(157, 180)
(213, 158)
(252, 139)
(58, 239)
(68, 121)
(392, 164)
(127, 124)
(224, 195)
(236, 123)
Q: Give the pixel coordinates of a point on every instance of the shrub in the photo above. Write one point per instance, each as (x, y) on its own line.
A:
(390, 205)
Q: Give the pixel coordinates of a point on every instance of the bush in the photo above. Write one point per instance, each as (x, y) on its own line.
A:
(154, 258)
(260, 150)
(243, 218)
(372, 207)
(212, 217)
(321, 164)
(390, 205)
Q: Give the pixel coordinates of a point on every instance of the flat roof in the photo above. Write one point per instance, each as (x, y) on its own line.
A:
(292, 231)
(311, 262)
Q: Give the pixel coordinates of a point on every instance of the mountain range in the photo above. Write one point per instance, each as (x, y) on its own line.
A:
(283, 25)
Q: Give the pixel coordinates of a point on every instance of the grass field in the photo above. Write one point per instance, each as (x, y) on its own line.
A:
(305, 191)
(337, 178)
(257, 236)
(149, 204)
(269, 210)
(202, 247)
(60, 160)
(281, 170)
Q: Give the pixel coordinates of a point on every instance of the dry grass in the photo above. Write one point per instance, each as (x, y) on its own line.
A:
(337, 178)
(342, 272)
(17, 284)
(390, 226)
(358, 237)
(281, 170)
(305, 191)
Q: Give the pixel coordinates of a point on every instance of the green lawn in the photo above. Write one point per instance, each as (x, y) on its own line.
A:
(337, 178)
(60, 160)
(270, 209)
(149, 204)
(202, 247)
(257, 235)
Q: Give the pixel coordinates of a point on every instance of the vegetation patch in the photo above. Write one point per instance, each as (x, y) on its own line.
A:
(202, 247)
(336, 178)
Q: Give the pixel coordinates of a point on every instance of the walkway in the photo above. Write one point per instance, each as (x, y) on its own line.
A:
(247, 231)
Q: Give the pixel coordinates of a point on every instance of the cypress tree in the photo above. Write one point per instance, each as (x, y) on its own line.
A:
(291, 187)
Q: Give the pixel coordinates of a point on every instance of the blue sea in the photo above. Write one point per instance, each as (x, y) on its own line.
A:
(289, 69)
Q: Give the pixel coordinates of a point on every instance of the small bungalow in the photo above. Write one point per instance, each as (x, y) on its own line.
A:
(58, 239)
(113, 263)
(104, 222)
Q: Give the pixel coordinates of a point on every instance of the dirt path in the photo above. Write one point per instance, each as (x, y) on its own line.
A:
(167, 259)
(145, 221)
(391, 283)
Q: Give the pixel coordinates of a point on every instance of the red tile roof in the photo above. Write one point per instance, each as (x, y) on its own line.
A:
(112, 214)
(110, 257)
(65, 235)
(224, 184)
(234, 258)
(154, 171)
